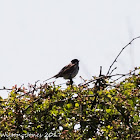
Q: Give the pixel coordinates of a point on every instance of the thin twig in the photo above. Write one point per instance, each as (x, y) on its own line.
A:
(120, 53)
(6, 89)
(109, 76)
(112, 70)
(100, 71)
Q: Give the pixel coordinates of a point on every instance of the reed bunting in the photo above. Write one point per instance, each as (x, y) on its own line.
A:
(69, 71)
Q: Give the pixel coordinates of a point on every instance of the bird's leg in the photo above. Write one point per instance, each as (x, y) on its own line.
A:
(71, 81)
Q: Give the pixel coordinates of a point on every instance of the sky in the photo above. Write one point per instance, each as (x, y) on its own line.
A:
(38, 38)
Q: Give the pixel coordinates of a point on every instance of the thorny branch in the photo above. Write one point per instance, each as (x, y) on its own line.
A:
(109, 76)
(120, 53)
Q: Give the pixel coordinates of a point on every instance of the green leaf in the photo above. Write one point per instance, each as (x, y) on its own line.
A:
(76, 105)
(69, 105)
(90, 92)
(108, 110)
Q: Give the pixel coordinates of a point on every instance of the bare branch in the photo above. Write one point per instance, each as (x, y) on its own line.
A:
(4, 88)
(109, 76)
(112, 71)
(120, 53)
(100, 70)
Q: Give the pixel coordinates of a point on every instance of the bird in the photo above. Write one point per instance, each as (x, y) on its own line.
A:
(69, 71)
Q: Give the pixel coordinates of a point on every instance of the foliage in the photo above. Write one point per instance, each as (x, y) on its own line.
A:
(104, 111)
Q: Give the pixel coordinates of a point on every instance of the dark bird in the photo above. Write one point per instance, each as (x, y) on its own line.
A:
(69, 71)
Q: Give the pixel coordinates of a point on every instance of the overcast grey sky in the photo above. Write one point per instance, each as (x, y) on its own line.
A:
(38, 38)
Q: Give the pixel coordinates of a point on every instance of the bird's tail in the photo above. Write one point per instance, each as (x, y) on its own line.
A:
(48, 79)
(55, 76)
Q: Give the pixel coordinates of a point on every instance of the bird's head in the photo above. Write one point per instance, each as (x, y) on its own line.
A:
(75, 61)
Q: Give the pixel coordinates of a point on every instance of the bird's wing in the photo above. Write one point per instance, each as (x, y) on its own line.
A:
(67, 69)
